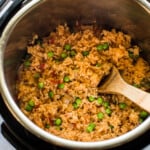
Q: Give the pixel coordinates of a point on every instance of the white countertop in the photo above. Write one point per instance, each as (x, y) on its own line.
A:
(4, 144)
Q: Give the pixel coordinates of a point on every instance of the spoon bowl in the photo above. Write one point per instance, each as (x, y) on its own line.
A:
(115, 84)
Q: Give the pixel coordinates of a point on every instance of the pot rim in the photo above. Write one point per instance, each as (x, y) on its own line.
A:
(29, 125)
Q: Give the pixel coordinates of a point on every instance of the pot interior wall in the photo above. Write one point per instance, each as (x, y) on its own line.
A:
(124, 15)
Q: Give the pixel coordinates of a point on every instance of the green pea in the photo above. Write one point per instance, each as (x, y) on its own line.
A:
(38, 41)
(30, 105)
(136, 85)
(100, 100)
(90, 127)
(143, 114)
(72, 53)
(28, 108)
(91, 98)
(27, 63)
(51, 94)
(58, 128)
(64, 55)
(77, 103)
(108, 111)
(37, 75)
(111, 127)
(106, 104)
(122, 105)
(50, 54)
(66, 79)
(58, 122)
(61, 85)
(141, 120)
(105, 46)
(99, 47)
(40, 85)
(57, 60)
(85, 53)
(67, 47)
(133, 56)
(47, 125)
(98, 65)
(100, 115)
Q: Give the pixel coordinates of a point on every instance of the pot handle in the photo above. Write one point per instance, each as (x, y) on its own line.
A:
(7, 9)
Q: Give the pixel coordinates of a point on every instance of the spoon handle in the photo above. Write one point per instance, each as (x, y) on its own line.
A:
(136, 95)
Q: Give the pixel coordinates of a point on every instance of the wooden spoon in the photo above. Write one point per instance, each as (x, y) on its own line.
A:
(115, 84)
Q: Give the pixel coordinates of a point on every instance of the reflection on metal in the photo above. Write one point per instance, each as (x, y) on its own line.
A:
(5, 7)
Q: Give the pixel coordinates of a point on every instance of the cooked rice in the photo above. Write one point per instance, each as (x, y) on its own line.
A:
(85, 74)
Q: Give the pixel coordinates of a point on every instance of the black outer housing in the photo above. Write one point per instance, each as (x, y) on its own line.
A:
(10, 12)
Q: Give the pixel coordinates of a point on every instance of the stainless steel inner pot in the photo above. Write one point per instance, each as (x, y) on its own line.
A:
(41, 17)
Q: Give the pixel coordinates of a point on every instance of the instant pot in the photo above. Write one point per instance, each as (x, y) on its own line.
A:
(20, 19)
